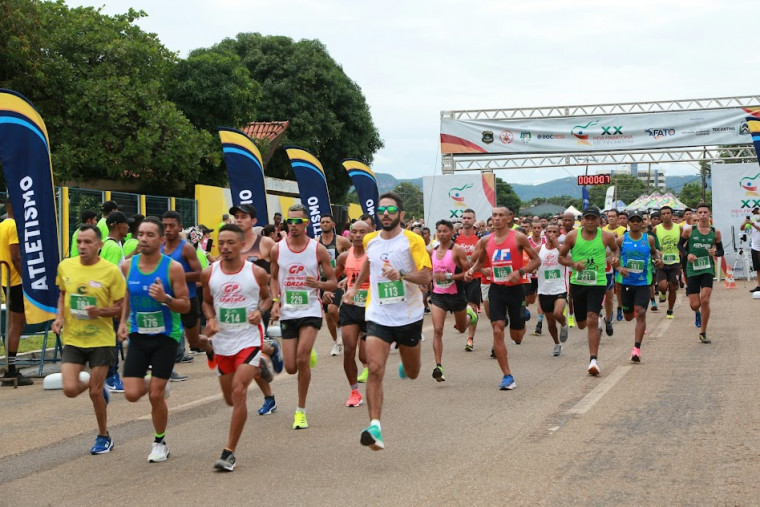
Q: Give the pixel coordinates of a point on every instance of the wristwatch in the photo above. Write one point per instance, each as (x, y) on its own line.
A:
(401, 273)
(449, 277)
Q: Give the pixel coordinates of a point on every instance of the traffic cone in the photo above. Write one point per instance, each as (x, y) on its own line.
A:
(729, 283)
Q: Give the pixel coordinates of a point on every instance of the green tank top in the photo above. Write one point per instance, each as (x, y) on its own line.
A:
(594, 254)
(667, 241)
(698, 245)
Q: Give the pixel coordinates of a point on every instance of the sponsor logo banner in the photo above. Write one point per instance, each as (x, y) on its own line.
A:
(312, 184)
(446, 197)
(245, 170)
(365, 184)
(735, 192)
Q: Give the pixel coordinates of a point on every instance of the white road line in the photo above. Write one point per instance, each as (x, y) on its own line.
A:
(591, 398)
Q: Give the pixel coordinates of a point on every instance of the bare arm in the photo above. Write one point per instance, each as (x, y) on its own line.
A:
(212, 325)
(323, 256)
(188, 253)
(57, 324)
(274, 281)
(535, 262)
(564, 250)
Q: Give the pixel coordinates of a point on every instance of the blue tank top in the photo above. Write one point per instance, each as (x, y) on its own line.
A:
(635, 255)
(146, 315)
(177, 256)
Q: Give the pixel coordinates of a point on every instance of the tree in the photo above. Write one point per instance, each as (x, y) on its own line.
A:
(629, 188)
(413, 199)
(328, 113)
(100, 83)
(506, 196)
(691, 194)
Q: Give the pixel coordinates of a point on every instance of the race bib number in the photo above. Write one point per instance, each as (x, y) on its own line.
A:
(297, 299)
(78, 305)
(635, 266)
(444, 284)
(701, 263)
(360, 299)
(391, 292)
(501, 273)
(586, 277)
(552, 274)
(670, 258)
(232, 318)
(150, 322)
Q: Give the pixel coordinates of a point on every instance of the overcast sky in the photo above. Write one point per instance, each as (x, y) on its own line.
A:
(415, 58)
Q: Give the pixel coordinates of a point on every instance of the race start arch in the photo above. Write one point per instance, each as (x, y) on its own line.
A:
(692, 130)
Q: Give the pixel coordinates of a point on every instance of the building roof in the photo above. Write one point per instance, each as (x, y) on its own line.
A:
(272, 131)
(543, 209)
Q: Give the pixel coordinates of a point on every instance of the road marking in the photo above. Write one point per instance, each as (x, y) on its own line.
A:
(591, 398)
(553, 429)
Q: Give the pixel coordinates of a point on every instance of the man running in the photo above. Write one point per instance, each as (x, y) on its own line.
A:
(397, 265)
(536, 239)
(585, 251)
(668, 234)
(352, 321)
(699, 244)
(502, 251)
(335, 246)
(296, 281)
(552, 292)
(637, 252)
(615, 226)
(91, 294)
(150, 318)
(467, 239)
(235, 295)
(568, 224)
(448, 292)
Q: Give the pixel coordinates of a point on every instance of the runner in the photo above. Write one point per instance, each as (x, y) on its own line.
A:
(448, 290)
(150, 318)
(352, 320)
(335, 246)
(615, 226)
(637, 252)
(668, 235)
(397, 264)
(467, 239)
(585, 251)
(536, 240)
(235, 294)
(502, 251)
(295, 278)
(552, 291)
(699, 244)
(91, 295)
(568, 224)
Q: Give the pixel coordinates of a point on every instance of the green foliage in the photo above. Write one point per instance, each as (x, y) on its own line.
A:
(413, 199)
(506, 196)
(629, 189)
(691, 194)
(560, 200)
(327, 111)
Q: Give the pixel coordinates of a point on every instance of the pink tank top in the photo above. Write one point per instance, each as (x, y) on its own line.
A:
(445, 265)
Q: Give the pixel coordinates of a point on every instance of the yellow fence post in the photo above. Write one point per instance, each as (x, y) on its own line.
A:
(65, 220)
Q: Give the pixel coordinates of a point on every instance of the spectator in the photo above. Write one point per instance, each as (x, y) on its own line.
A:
(270, 231)
(108, 208)
(87, 217)
(754, 222)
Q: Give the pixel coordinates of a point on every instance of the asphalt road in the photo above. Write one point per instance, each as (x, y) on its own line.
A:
(680, 428)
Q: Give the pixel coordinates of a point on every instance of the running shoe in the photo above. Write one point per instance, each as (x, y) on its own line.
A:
(619, 314)
(427, 310)
(277, 356)
(493, 354)
(593, 368)
(313, 358)
(354, 399)
(22, 380)
(698, 319)
(401, 371)
(299, 421)
(662, 297)
(557, 349)
(438, 374)
(507, 383)
(372, 437)
(159, 453)
(187, 359)
(654, 305)
(176, 377)
(264, 370)
(337, 348)
(608, 327)
(106, 395)
(103, 445)
(268, 407)
(468, 346)
(527, 315)
(636, 355)
(564, 331)
(210, 359)
(756, 289)
(537, 331)
(363, 376)
(113, 383)
(571, 320)
(473, 315)
(226, 461)
(669, 314)
(703, 338)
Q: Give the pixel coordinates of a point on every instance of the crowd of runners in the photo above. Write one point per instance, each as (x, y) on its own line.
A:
(257, 308)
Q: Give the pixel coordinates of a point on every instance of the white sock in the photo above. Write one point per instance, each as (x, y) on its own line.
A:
(375, 422)
(299, 409)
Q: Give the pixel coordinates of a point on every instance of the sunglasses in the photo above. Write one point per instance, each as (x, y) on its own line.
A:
(295, 221)
(392, 210)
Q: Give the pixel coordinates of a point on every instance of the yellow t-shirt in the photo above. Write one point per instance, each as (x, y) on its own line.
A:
(98, 285)
(8, 237)
(618, 232)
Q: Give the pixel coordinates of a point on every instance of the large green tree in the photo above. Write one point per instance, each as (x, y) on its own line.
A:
(100, 84)
(691, 194)
(414, 207)
(328, 113)
(506, 196)
(628, 189)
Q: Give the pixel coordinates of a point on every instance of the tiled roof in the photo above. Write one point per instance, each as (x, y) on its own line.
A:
(272, 131)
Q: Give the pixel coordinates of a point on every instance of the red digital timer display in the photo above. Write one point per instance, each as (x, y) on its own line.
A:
(594, 179)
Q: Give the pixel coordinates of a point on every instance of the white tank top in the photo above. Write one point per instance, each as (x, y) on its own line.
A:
(550, 274)
(298, 300)
(235, 296)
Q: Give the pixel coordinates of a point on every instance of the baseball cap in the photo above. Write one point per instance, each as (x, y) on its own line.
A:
(248, 209)
(117, 217)
(592, 211)
(110, 206)
(755, 210)
(635, 214)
